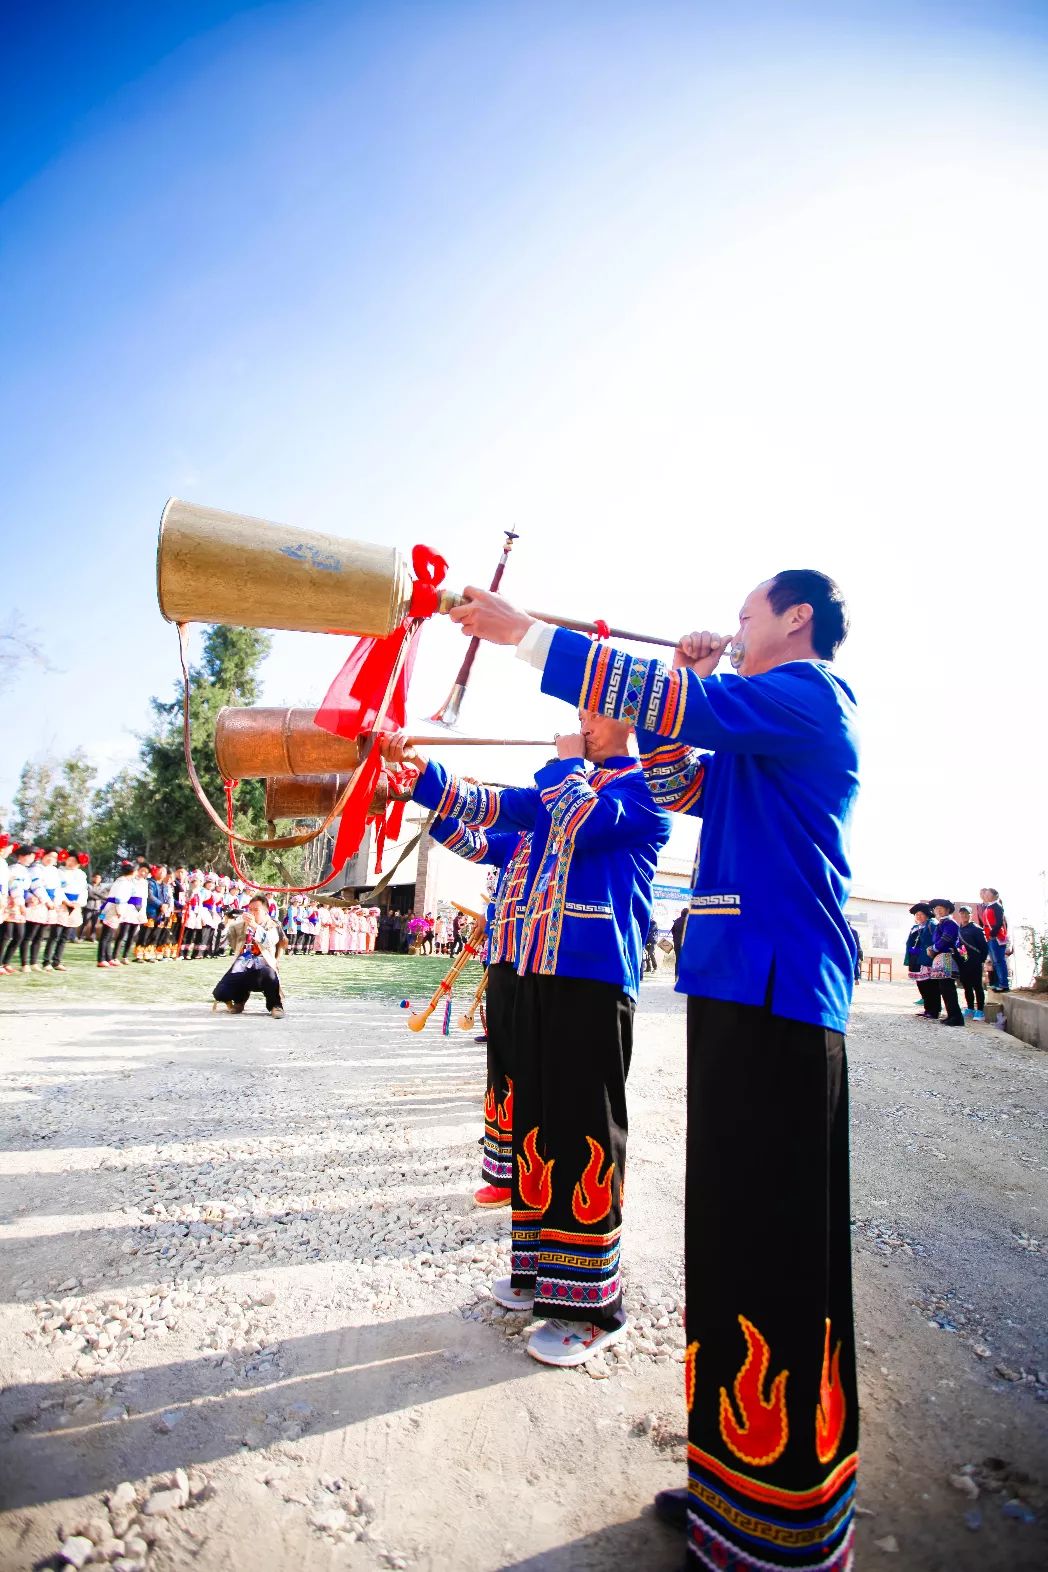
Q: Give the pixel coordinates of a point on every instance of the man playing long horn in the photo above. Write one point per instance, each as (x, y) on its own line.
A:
(595, 844)
(509, 851)
(770, 1361)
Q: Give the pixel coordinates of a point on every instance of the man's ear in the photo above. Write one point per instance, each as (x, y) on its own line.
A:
(800, 617)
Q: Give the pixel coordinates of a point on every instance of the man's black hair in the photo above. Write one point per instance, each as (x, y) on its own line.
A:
(808, 587)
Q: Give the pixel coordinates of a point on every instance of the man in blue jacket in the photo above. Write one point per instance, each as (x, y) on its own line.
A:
(595, 840)
(768, 757)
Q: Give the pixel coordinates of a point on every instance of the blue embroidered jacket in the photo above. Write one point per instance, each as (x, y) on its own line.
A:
(595, 846)
(509, 851)
(766, 920)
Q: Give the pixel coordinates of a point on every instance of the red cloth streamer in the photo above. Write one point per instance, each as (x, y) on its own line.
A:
(601, 629)
(352, 703)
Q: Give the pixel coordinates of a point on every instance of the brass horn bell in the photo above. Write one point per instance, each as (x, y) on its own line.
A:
(226, 567)
(314, 796)
(252, 743)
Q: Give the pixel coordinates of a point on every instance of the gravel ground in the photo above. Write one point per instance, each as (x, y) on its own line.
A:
(245, 1318)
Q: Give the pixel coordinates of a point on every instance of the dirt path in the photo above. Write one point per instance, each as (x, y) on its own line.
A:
(243, 1249)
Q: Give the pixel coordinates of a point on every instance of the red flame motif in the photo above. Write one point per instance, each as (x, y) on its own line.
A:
(829, 1415)
(536, 1179)
(689, 1374)
(505, 1116)
(761, 1434)
(591, 1199)
(489, 1105)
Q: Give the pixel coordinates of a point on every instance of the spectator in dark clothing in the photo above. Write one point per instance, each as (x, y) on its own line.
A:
(975, 943)
(651, 960)
(996, 930)
(945, 961)
(677, 935)
(858, 951)
(917, 959)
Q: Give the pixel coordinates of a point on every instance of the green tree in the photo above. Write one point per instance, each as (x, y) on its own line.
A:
(67, 816)
(116, 821)
(29, 810)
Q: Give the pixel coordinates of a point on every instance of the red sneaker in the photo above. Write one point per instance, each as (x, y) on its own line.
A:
(491, 1195)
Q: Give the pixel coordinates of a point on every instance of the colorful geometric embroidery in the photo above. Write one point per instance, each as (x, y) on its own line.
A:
(548, 907)
(467, 843)
(497, 1166)
(713, 1550)
(675, 775)
(468, 800)
(508, 897)
(625, 686)
(760, 1435)
(591, 1199)
(741, 1522)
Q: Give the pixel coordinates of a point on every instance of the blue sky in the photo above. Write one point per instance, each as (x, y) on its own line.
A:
(686, 292)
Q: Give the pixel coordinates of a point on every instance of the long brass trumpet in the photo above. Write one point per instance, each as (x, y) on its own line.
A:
(257, 743)
(227, 567)
(474, 945)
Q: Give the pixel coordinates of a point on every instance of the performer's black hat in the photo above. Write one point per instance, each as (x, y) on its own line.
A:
(921, 906)
(941, 900)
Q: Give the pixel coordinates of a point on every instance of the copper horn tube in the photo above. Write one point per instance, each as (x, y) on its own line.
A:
(256, 743)
(213, 566)
(314, 796)
(252, 743)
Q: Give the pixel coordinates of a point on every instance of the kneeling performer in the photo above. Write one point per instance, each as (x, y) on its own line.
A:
(254, 967)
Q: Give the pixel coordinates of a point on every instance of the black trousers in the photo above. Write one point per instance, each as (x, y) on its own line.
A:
(941, 994)
(33, 937)
(770, 1363)
(107, 942)
(972, 983)
(497, 1167)
(235, 987)
(14, 933)
(572, 1044)
(57, 939)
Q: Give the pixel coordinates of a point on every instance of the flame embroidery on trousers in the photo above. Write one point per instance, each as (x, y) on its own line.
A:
(505, 1112)
(829, 1415)
(759, 1436)
(536, 1178)
(689, 1375)
(591, 1199)
(489, 1105)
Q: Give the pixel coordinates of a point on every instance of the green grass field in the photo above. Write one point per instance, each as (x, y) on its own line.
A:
(379, 976)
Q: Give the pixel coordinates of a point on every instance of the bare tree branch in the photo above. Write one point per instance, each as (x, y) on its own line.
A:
(18, 647)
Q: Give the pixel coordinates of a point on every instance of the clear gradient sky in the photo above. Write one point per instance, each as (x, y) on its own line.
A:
(686, 292)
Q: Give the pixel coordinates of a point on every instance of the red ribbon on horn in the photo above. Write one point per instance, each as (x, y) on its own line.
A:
(352, 704)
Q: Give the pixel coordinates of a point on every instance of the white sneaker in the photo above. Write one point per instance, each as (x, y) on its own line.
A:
(571, 1342)
(510, 1298)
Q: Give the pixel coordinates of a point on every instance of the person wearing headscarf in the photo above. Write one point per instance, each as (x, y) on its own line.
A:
(945, 961)
(68, 911)
(111, 917)
(917, 960)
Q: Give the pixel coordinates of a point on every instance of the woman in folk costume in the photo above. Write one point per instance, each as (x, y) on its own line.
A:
(942, 951)
(112, 915)
(359, 930)
(373, 915)
(193, 926)
(342, 931)
(918, 961)
(768, 755)
(323, 930)
(5, 848)
(254, 967)
(41, 898)
(595, 841)
(312, 926)
(19, 872)
(72, 893)
(133, 915)
(508, 854)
